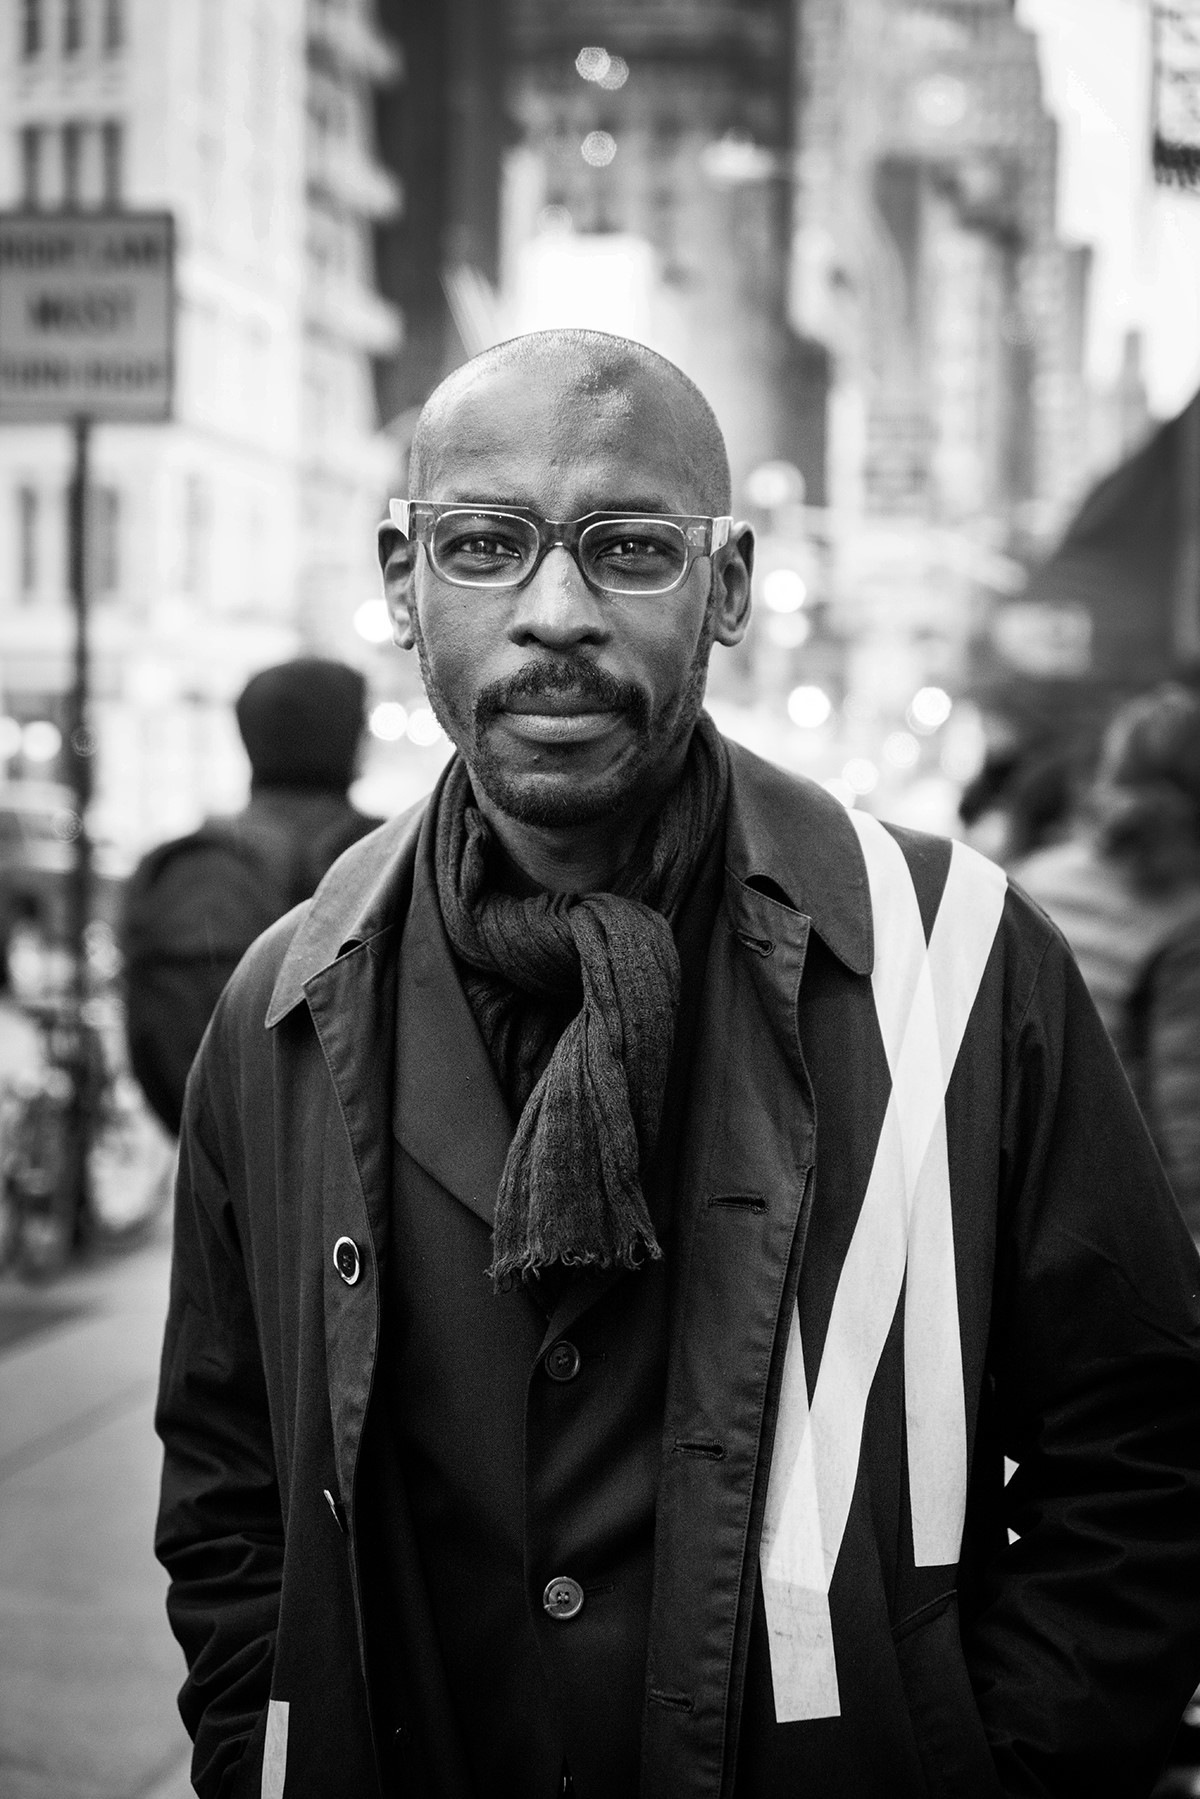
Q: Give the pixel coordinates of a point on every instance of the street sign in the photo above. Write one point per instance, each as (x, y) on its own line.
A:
(86, 316)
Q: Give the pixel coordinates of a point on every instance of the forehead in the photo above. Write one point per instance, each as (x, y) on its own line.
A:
(565, 442)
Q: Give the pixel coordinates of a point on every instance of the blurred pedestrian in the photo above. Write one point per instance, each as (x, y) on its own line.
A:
(1125, 890)
(806, 1180)
(195, 905)
(1020, 799)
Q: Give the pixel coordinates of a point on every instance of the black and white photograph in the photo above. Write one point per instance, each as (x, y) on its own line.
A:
(599, 899)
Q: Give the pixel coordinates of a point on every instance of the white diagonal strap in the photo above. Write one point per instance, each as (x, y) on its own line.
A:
(275, 1749)
(923, 998)
(964, 931)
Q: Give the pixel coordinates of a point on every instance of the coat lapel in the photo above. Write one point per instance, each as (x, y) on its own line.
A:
(352, 1004)
(448, 1111)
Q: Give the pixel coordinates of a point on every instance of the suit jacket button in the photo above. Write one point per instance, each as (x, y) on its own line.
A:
(346, 1260)
(563, 1361)
(562, 1599)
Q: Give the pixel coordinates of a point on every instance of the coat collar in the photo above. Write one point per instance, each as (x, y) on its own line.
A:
(365, 892)
(790, 834)
(783, 831)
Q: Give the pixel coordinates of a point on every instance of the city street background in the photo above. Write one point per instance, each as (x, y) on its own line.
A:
(937, 266)
(88, 1667)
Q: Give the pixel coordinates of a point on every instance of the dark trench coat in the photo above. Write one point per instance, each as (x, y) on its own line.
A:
(1054, 1664)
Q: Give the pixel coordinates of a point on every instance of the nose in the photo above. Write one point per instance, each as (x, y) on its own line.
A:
(558, 608)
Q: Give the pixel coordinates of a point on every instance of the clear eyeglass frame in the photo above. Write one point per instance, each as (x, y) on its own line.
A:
(700, 535)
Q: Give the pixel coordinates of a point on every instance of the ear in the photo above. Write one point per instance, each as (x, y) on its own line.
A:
(398, 560)
(732, 573)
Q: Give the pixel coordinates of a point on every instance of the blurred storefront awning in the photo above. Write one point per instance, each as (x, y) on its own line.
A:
(1130, 561)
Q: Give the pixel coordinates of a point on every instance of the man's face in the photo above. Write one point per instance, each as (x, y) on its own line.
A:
(569, 707)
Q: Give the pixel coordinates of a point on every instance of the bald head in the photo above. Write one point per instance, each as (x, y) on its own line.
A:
(573, 388)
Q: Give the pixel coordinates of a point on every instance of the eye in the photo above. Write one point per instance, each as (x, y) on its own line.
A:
(476, 547)
(625, 549)
(481, 546)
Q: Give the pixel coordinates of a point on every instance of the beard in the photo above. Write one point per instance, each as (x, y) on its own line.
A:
(568, 799)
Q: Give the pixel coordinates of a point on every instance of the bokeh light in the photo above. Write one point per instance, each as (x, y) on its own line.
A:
(860, 775)
(809, 707)
(423, 728)
(593, 62)
(598, 149)
(942, 101)
(930, 709)
(554, 221)
(388, 721)
(783, 590)
(901, 750)
(41, 740)
(788, 630)
(774, 484)
(371, 621)
(615, 75)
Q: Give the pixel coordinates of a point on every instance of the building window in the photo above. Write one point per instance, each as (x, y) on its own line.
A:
(114, 26)
(106, 541)
(112, 153)
(72, 27)
(31, 165)
(72, 164)
(27, 544)
(31, 28)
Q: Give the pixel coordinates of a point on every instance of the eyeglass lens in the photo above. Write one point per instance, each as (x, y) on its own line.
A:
(493, 549)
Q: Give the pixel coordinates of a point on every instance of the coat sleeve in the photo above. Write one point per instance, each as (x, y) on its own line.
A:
(1086, 1642)
(220, 1530)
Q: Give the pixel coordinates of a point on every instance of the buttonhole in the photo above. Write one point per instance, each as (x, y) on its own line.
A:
(746, 1202)
(674, 1702)
(592, 1592)
(707, 1451)
(761, 946)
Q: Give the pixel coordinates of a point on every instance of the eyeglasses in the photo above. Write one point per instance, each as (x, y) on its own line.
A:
(502, 547)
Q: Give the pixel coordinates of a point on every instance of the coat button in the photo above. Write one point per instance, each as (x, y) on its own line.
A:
(346, 1259)
(563, 1598)
(563, 1361)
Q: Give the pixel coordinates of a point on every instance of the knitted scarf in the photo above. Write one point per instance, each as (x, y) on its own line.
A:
(603, 969)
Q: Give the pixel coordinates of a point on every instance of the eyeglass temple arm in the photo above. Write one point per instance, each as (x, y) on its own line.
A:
(721, 527)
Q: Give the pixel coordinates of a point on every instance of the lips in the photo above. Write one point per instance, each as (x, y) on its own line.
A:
(551, 721)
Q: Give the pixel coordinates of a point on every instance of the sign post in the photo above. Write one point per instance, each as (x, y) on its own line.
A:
(86, 334)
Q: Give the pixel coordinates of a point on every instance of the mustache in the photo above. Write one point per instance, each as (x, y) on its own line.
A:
(573, 675)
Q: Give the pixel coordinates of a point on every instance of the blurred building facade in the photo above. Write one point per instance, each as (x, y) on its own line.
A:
(926, 256)
(839, 216)
(241, 531)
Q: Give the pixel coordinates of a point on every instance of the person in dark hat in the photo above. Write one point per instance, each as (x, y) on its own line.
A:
(195, 905)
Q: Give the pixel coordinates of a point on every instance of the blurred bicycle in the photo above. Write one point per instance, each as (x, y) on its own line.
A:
(45, 1214)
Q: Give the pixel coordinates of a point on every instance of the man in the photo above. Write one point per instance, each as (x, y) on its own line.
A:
(195, 905)
(626, 1220)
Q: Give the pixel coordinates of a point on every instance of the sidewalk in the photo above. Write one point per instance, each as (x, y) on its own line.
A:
(88, 1668)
